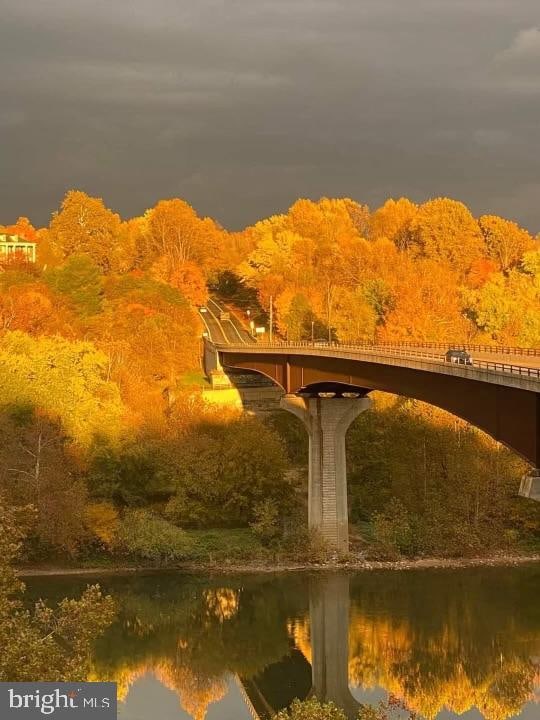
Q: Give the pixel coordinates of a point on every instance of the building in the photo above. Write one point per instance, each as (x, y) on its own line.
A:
(11, 245)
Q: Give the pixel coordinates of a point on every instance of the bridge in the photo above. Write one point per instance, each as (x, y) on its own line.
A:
(327, 386)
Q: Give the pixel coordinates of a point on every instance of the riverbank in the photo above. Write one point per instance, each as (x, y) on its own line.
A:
(257, 567)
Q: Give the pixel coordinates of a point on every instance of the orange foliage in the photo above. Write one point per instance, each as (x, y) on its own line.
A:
(34, 309)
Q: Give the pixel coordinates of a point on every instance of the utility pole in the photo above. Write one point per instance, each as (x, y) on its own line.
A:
(271, 320)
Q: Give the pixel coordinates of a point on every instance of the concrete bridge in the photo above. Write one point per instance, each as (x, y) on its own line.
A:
(328, 386)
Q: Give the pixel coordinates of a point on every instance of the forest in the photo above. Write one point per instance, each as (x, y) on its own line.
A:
(105, 433)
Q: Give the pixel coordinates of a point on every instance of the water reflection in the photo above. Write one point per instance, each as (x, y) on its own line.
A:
(243, 647)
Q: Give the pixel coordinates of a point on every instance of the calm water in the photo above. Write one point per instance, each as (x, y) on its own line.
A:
(449, 643)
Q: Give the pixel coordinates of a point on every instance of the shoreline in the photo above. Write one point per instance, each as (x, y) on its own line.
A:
(354, 565)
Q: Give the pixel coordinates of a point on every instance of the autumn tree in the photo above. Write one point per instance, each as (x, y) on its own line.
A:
(393, 221)
(221, 477)
(53, 644)
(36, 469)
(354, 319)
(426, 305)
(34, 308)
(80, 281)
(187, 277)
(444, 229)
(85, 226)
(65, 379)
(174, 230)
(505, 240)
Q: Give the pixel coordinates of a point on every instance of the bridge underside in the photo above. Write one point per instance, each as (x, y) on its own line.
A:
(510, 415)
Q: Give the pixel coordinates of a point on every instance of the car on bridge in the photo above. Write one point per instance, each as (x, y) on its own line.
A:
(461, 357)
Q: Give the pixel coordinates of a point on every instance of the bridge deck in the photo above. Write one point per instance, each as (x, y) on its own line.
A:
(497, 370)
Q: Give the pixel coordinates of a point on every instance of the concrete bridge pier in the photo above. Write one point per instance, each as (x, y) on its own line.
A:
(329, 630)
(530, 485)
(327, 421)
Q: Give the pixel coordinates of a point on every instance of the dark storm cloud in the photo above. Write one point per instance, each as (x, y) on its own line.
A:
(241, 106)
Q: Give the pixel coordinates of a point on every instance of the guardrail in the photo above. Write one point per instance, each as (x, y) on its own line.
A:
(389, 351)
(496, 349)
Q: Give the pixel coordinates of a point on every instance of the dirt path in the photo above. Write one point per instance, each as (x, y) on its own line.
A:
(423, 563)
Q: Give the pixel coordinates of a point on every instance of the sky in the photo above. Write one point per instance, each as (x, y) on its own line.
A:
(242, 106)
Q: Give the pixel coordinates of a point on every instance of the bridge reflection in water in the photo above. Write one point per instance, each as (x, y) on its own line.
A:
(325, 672)
(234, 647)
(448, 662)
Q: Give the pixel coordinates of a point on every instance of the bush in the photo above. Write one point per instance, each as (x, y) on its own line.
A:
(102, 521)
(266, 525)
(222, 545)
(224, 471)
(311, 710)
(149, 537)
(394, 530)
(305, 545)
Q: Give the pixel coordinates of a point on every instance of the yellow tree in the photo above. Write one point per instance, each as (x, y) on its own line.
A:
(174, 229)
(393, 221)
(354, 318)
(445, 230)
(505, 240)
(426, 305)
(85, 226)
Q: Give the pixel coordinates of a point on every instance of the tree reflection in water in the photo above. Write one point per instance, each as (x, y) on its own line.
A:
(435, 639)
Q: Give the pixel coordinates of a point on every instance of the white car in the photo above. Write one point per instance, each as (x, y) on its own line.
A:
(203, 310)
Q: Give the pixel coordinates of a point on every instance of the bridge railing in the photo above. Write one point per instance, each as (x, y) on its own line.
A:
(391, 351)
(495, 349)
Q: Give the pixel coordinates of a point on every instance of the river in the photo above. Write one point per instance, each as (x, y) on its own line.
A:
(235, 647)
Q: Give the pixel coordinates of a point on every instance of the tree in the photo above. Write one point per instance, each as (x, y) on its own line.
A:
(354, 317)
(393, 221)
(33, 308)
(505, 240)
(85, 226)
(175, 230)
(294, 315)
(46, 643)
(444, 229)
(187, 277)
(79, 280)
(221, 475)
(65, 379)
(426, 305)
(36, 469)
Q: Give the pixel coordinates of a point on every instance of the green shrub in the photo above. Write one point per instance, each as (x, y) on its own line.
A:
(394, 530)
(266, 526)
(304, 545)
(221, 545)
(149, 537)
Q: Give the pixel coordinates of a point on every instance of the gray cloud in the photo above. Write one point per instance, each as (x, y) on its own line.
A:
(241, 106)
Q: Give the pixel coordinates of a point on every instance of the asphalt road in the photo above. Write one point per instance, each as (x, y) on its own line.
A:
(230, 331)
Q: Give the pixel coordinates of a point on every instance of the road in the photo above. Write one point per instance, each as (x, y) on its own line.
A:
(232, 332)
(229, 331)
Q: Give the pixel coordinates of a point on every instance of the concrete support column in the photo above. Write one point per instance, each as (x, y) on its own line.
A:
(327, 420)
(329, 632)
(530, 485)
